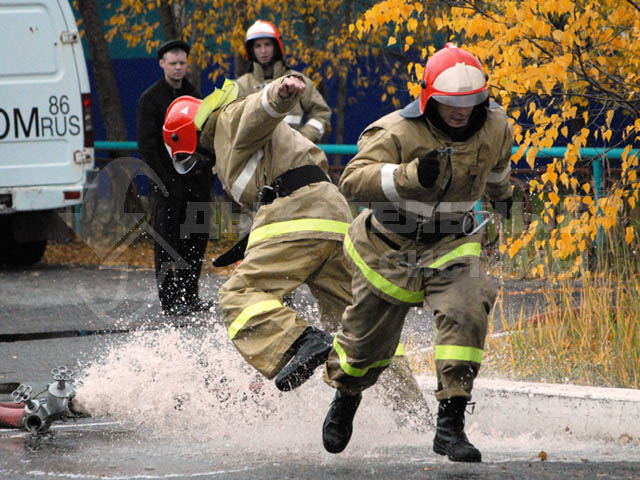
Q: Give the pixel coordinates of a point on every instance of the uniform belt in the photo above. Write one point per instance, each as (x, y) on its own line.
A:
(290, 181)
(422, 230)
(283, 185)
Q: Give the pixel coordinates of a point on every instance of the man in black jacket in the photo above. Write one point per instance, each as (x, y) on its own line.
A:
(181, 203)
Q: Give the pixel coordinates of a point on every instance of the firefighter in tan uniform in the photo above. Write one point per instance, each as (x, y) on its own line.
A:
(422, 168)
(310, 114)
(296, 236)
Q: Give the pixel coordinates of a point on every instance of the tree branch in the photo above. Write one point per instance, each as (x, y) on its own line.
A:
(633, 4)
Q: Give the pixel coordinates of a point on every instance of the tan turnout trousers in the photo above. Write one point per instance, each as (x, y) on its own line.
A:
(460, 296)
(261, 327)
(272, 270)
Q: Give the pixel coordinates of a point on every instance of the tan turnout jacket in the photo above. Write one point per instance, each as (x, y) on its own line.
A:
(254, 146)
(384, 173)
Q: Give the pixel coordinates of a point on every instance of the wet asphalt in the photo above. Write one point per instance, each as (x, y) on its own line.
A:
(53, 316)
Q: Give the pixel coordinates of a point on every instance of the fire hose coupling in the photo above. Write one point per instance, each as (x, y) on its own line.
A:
(40, 413)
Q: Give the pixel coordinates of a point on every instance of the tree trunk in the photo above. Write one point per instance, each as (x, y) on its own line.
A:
(343, 75)
(172, 17)
(341, 103)
(167, 21)
(241, 63)
(107, 90)
(195, 70)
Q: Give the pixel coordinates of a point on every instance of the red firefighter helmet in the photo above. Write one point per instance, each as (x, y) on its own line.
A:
(180, 133)
(453, 77)
(262, 29)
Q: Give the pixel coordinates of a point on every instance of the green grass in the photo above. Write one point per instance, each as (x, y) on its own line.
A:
(588, 335)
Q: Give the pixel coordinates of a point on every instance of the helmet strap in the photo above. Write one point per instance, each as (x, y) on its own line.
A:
(267, 68)
(207, 154)
(206, 136)
(202, 150)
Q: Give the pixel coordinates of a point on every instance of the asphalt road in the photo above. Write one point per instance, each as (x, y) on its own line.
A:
(172, 399)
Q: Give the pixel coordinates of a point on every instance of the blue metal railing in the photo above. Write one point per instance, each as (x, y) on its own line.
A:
(329, 149)
(349, 149)
(597, 153)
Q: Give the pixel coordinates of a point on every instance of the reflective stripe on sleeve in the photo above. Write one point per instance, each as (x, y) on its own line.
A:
(317, 124)
(293, 119)
(265, 103)
(378, 281)
(425, 209)
(467, 249)
(457, 352)
(245, 175)
(497, 177)
(252, 311)
(300, 225)
(388, 184)
(355, 371)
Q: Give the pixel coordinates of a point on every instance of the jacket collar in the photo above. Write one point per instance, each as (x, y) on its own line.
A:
(279, 68)
(186, 85)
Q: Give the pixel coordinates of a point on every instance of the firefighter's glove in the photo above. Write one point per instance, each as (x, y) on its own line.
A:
(429, 169)
(503, 207)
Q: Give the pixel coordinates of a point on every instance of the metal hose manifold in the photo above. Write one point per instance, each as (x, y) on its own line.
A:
(39, 414)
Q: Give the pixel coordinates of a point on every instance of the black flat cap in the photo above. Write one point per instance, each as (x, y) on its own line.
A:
(170, 45)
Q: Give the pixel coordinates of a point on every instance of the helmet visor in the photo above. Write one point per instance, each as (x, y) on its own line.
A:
(183, 162)
(465, 100)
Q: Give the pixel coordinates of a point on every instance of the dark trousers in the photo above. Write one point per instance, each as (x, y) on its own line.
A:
(181, 235)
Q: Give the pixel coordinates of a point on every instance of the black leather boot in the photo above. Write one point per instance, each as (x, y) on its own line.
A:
(338, 425)
(450, 439)
(311, 350)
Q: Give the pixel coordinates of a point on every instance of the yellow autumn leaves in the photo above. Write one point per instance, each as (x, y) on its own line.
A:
(566, 71)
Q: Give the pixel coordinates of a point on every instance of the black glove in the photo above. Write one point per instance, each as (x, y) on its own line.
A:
(503, 207)
(429, 169)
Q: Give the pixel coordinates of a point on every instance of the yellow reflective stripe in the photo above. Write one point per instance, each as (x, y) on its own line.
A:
(377, 280)
(471, 248)
(252, 311)
(399, 351)
(354, 371)
(457, 352)
(301, 225)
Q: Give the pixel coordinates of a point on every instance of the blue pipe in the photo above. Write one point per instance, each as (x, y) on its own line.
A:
(598, 177)
(111, 146)
(586, 152)
(351, 149)
(599, 186)
(339, 149)
(327, 148)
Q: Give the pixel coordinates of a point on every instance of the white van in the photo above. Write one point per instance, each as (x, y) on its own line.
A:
(46, 132)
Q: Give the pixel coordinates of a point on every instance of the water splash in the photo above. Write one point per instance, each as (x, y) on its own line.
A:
(192, 385)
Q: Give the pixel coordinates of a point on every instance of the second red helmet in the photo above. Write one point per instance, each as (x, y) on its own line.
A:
(180, 133)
